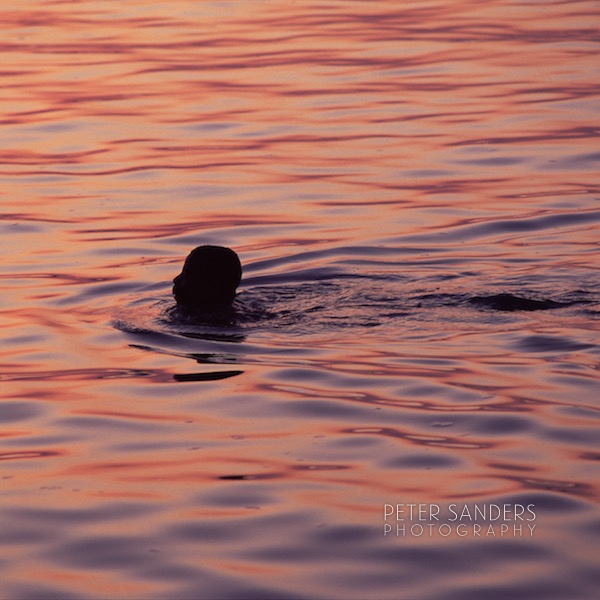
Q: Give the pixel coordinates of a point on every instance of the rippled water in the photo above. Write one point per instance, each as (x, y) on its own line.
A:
(378, 166)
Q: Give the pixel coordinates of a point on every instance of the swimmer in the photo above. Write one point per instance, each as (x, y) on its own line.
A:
(209, 278)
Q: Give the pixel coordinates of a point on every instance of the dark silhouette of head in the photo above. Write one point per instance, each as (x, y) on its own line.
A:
(209, 278)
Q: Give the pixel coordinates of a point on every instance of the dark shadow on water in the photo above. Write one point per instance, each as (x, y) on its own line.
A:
(213, 376)
(510, 302)
(504, 302)
(224, 318)
(549, 343)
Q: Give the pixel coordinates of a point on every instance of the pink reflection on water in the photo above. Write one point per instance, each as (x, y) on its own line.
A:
(375, 165)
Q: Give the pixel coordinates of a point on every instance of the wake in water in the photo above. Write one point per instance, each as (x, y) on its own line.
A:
(317, 306)
(303, 303)
(325, 302)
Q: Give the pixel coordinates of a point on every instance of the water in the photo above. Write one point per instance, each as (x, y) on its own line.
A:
(376, 165)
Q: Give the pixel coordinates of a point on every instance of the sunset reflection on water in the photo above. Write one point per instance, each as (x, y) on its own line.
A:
(376, 166)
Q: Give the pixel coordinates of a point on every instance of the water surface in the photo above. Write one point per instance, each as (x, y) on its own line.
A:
(377, 166)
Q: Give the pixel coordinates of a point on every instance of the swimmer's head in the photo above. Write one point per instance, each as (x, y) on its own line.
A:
(209, 278)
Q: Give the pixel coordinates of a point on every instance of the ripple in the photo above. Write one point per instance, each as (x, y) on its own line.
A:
(28, 454)
(550, 343)
(82, 374)
(13, 412)
(417, 323)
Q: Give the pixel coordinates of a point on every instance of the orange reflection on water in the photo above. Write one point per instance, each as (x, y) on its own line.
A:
(376, 165)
